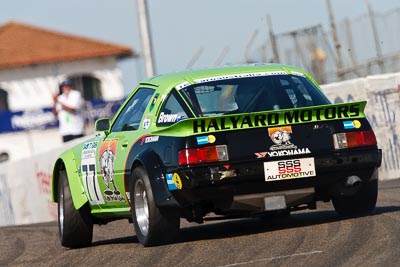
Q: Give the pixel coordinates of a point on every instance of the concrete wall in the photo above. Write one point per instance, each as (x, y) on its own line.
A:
(25, 187)
(383, 111)
(20, 145)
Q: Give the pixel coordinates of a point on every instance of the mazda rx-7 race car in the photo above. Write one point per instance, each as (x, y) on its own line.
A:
(237, 141)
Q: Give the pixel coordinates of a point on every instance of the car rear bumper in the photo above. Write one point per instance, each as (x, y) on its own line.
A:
(209, 184)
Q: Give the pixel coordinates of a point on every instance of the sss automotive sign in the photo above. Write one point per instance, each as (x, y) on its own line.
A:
(289, 169)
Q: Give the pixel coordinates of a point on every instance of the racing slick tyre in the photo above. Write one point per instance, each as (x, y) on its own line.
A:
(153, 225)
(362, 202)
(75, 226)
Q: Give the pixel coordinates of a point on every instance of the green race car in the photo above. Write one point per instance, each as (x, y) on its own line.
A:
(232, 141)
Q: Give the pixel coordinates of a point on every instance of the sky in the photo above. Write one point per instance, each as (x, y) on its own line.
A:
(180, 28)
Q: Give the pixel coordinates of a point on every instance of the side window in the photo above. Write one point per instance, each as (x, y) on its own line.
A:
(300, 92)
(172, 111)
(304, 96)
(289, 90)
(3, 100)
(130, 117)
(88, 85)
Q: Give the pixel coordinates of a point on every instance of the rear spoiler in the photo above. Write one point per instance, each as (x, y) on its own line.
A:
(205, 125)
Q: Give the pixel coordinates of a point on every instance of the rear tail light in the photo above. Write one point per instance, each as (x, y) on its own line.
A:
(203, 155)
(354, 139)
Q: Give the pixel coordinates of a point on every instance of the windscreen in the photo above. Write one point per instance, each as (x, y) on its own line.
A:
(252, 94)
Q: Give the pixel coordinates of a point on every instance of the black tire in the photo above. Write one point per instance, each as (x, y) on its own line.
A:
(362, 202)
(75, 227)
(153, 226)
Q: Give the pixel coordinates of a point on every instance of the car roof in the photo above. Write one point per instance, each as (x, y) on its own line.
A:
(175, 78)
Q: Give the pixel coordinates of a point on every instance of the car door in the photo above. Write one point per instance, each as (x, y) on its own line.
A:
(113, 150)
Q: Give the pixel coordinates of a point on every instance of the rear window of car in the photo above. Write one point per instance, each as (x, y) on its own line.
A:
(253, 94)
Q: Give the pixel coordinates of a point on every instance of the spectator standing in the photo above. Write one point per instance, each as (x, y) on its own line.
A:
(68, 108)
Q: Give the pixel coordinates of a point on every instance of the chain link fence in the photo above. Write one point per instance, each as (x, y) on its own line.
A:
(363, 49)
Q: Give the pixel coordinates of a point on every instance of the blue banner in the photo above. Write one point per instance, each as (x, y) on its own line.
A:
(45, 119)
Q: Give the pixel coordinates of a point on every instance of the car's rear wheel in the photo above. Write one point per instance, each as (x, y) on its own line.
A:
(75, 226)
(153, 225)
(362, 202)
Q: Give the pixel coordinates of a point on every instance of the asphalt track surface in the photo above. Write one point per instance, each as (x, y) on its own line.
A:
(307, 238)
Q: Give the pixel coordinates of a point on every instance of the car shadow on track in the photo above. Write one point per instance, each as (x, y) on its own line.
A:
(120, 240)
(248, 226)
(251, 226)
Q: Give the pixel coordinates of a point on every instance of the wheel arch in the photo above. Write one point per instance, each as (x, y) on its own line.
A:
(150, 161)
(67, 163)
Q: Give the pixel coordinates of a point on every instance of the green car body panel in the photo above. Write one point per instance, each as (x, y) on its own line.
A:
(68, 161)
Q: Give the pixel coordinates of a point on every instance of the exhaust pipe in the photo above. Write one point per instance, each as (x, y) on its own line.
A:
(348, 186)
(352, 181)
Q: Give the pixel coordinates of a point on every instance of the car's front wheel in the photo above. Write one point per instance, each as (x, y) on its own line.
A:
(362, 202)
(153, 225)
(75, 226)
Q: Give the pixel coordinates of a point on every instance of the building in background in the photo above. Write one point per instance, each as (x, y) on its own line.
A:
(33, 61)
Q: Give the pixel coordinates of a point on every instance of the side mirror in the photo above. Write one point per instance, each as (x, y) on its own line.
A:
(102, 125)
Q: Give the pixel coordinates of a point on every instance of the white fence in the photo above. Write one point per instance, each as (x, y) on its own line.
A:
(25, 184)
(383, 111)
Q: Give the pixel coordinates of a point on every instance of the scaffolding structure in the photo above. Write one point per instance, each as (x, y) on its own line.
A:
(351, 48)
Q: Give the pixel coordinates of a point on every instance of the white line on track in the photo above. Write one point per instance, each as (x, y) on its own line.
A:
(273, 258)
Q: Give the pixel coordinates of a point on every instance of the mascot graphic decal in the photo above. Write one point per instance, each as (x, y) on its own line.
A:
(106, 157)
(281, 137)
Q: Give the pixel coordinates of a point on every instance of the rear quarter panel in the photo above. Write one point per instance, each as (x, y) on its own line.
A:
(70, 161)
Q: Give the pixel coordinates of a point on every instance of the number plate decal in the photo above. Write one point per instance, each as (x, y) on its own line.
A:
(89, 177)
(289, 169)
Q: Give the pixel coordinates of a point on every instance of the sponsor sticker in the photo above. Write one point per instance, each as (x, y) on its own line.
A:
(282, 145)
(149, 139)
(281, 153)
(168, 118)
(230, 76)
(174, 182)
(275, 118)
(146, 123)
(107, 156)
(298, 74)
(355, 124)
(281, 137)
(88, 171)
(289, 169)
(203, 140)
(154, 101)
(239, 76)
